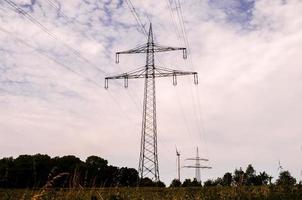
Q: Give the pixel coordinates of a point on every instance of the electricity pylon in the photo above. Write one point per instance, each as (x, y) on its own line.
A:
(148, 161)
(197, 165)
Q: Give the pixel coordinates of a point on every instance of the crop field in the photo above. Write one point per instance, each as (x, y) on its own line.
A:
(210, 193)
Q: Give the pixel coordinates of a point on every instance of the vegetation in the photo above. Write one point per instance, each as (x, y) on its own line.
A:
(40, 177)
(36, 171)
(151, 193)
(244, 178)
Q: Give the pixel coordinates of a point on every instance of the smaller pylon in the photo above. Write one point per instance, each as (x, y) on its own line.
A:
(197, 165)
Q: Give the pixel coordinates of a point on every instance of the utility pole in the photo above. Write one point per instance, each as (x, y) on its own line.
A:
(148, 161)
(178, 163)
(197, 165)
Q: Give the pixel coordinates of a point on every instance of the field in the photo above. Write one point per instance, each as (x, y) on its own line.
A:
(210, 193)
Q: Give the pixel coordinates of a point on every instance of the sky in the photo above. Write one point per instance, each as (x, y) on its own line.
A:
(245, 109)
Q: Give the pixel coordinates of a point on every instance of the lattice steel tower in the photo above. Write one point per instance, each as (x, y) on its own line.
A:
(197, 165)
(148, 161)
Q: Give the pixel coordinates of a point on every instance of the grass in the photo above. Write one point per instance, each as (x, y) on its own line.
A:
(211, 193)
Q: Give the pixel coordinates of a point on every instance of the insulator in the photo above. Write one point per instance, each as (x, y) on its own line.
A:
(117, 58)
(106, 83)
(126, 81)
(174, 79)
(196, 79)
(184, 53)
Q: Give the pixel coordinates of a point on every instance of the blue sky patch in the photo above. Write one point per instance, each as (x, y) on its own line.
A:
(237, 11)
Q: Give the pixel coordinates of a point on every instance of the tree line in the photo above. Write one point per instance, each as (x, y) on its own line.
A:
(36, 171)
(249, 177)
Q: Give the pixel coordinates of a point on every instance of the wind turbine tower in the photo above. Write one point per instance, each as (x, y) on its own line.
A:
(178, 164)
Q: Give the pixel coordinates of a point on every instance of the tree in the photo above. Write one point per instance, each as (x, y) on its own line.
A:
(109, 176)
(95, 168)
(146, 182)
(22, 171)
(175, 183)
(195, 183)
(67, 163)
(218, 181)
(209, 183)
(227, 179)
(250, 176)
(238, 177)
(159, 184)
(41, 168)
(263, 178)
(186, 183)
(127, 177)
(189, 183)
(96, 161)
(28, 171)
(5, 175)
(285, 179)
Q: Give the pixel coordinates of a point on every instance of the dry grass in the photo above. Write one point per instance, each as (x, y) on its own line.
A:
(213, 193)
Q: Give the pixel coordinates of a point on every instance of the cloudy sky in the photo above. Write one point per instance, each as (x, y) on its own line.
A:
(246, 109)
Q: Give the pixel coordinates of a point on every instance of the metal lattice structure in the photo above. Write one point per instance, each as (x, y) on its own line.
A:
(148, 161)
(197, 165)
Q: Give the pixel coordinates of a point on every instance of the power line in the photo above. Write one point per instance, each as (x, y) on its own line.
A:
(19, 10)
(17, 39)
(136, 17)
(43, 28)
(25, 43)
(172, 16)
(179, 11)
(196, 101)
(130, 95)
(140, 24)
(50, 2)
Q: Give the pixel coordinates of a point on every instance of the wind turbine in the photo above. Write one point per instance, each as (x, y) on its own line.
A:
(280, 168)
(178, 162)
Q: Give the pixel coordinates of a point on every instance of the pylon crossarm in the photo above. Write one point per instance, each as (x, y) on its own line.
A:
(201, 167)
(155, 48)
(159, 48)
(138, 73)
(138, 49)
(203, 159)
(165, 72)
(158, 72)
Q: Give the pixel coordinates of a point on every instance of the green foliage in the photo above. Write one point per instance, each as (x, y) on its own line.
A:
(285, 179)
(147, 182)
(249, 177)
(238, 177)
(189, 183)
(175, 183)
(127, 177)
(35, 171)
(227, 179)
(209, 183)
(28, 171)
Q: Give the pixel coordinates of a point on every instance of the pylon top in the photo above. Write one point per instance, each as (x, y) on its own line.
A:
(150, 35)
